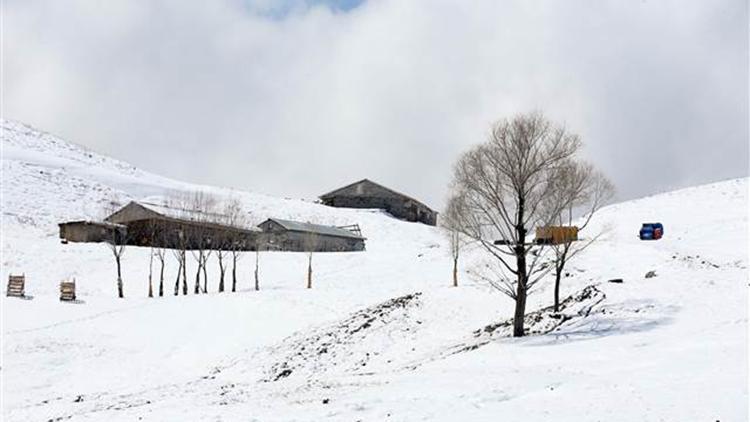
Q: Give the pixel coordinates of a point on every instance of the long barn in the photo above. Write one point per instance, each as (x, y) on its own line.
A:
(159, 225)
(368, 194)
(146, 224)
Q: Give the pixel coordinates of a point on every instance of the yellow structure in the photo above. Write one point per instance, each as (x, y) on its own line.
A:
(556, 235)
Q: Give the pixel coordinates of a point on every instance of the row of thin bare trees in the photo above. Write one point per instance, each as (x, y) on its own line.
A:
(528, 174)
(202, 210)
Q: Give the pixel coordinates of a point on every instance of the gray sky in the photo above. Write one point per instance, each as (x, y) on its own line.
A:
(296, 98)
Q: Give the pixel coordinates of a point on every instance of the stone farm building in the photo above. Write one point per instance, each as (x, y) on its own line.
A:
(297, 236)
(146, 224)
(368, 194)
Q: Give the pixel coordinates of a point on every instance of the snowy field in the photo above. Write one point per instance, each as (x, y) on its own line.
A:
(382, 335)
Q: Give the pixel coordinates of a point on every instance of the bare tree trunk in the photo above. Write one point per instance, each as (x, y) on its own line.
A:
(184, 273)
(520, 312)
(221, 273)
(518, 316)
(205, 275)
(559, 267)
(198, 279)
(309, 271)
(234, 271)
(310, 244)
(257, 262)
(455, 272)
(177, 281)
(120, 293)
(150, 274)
(521, 292)
(557, 289)
(161, 277)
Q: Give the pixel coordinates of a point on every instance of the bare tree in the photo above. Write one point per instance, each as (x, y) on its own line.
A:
(237, 246)
(222, 243)
(179, 241)
(310, 245)
(158, 241)
(235, 219)
(257, 243)
(116, 244)
(451, 223)
(161, 255)
(204, 265)
(199, 256)
(579, 191)
(502, 183)
(152, 230)
(260, 243)
(221, 253)
(116, 241)
(183, 258)
(150, 273)
(179, 255)
(201, 211)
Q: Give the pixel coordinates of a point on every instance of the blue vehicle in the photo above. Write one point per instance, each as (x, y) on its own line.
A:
(651, 231)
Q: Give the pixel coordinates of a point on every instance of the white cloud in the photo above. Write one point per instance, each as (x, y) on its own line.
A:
(299, 103)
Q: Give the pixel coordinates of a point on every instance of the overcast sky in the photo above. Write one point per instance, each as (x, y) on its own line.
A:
(295, 98)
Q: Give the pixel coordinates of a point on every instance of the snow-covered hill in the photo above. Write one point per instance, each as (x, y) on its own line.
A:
(381, 336)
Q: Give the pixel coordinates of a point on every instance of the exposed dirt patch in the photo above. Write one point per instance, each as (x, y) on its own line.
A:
(546, 320)
(335, 346)
(542, 321)
(696, 261)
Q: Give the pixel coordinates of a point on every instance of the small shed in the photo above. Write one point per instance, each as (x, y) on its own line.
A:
(368, 194)
(287, 235)
(92, 231)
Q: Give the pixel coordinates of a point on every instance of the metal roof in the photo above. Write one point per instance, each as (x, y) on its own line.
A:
(336, 191)
(94, 223)
(182, 213)
(185, 215)
(299, 226)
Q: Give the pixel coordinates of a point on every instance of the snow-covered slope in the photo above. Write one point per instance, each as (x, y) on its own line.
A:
(381, 335)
